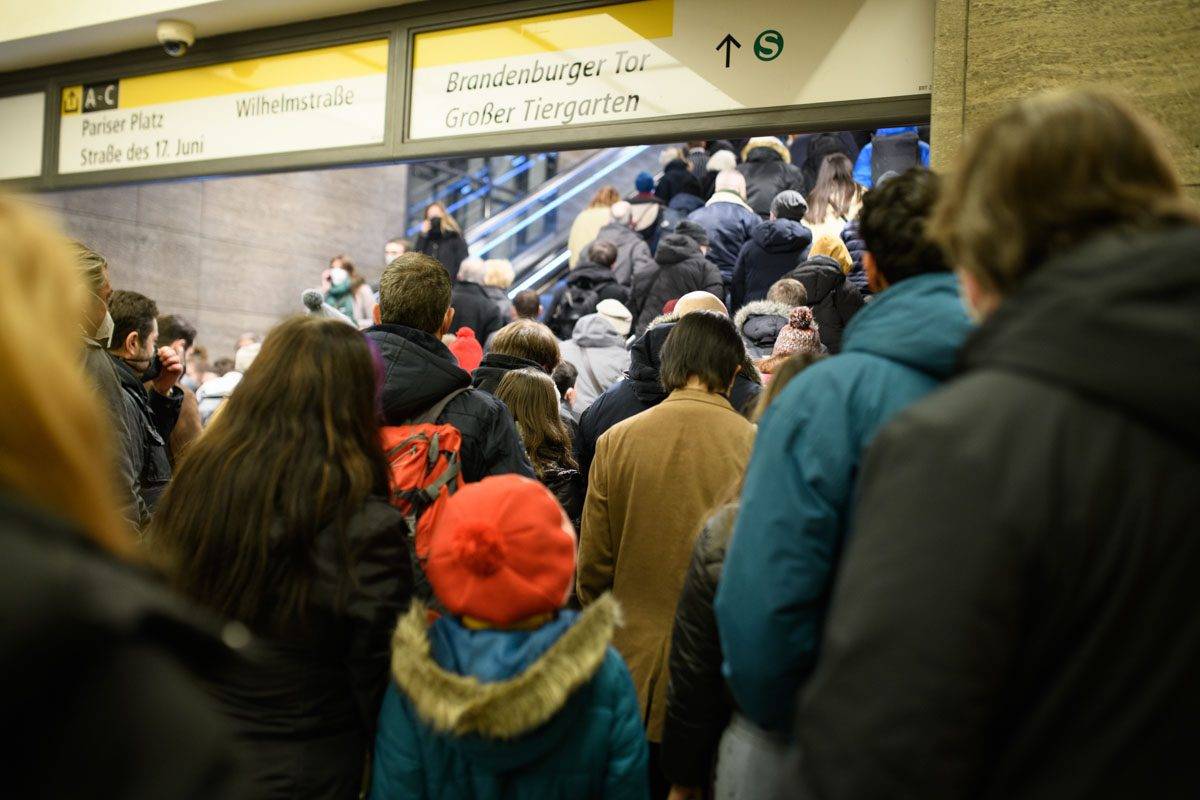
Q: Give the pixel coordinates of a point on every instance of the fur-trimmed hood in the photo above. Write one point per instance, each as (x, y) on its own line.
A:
(759, 324)
(505, 696)
(762, 144)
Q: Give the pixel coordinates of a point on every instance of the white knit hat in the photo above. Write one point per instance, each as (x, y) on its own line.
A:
(617, 315)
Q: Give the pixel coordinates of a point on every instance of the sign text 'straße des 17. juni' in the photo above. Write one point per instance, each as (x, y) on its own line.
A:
(310, 100)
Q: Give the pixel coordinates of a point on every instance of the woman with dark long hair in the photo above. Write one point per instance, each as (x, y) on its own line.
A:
(277, 519)
(442, 238)
(835, 199)
(532, 399)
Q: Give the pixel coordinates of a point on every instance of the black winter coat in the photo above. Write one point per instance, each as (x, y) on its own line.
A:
(767, 174)
(855, 244)
(677, 179)
(304, 706)
(493, 368)
(419, 372)
(97, 664)
(679, 268)
(149, 420)
(832, 299)
(569, 489)
(586, 276)
(446, 246)
(475, 309)
(1015, 616)
(773, 250)
(698, 704)
(641, 389)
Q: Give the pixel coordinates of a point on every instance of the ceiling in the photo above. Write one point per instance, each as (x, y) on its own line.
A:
(34, 33)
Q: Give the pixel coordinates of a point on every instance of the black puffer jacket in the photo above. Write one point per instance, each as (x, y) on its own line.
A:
(856, 246)
(679, 268)
(698, 703)
(475, 309)
(97, 663)
(149, 420)
(677, 179)
(767, 174)
(759, 324)
(586, 277)
(774, 249)
(1015, 615)
(419, 372)
(446, 246)
(642, 389)
(832, 299)
(493, 368)
(303, 706)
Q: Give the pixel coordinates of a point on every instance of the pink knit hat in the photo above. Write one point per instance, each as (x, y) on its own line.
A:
(799, 335)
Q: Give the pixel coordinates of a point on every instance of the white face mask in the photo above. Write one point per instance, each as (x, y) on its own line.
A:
(337, 275)
(104, 331)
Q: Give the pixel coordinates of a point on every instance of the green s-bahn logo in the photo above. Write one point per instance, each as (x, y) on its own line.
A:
(768, 45)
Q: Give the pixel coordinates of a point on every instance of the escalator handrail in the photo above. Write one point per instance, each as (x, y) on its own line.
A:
(485, 227)
(624, 155)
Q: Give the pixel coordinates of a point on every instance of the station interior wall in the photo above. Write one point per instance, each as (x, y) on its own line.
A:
(234, 254)
(990, 52)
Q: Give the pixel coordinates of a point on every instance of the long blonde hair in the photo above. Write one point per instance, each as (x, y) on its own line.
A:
(56, 445)
(447, 220)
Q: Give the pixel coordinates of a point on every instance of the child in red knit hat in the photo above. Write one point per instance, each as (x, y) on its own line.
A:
(510, 695)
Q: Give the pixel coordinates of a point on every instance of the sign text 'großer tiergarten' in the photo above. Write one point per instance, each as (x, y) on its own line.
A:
(662, 58)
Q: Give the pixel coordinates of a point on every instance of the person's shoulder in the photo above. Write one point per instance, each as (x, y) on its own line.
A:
(987, 406)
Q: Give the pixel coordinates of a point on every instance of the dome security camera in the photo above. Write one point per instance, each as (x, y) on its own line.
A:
(176, 37)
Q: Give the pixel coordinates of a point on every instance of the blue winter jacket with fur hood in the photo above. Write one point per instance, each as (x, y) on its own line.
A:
(489, 714)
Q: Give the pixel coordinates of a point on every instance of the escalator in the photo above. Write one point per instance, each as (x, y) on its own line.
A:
(521, 207)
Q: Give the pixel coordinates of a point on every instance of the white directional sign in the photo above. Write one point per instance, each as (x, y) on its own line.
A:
(659, 58)
(22, 123)
(315, 99)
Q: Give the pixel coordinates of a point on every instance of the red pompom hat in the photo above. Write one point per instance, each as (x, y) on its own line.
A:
(503, 551)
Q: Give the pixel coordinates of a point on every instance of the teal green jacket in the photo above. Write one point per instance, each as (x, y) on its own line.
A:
(487, 714)
(795, 510)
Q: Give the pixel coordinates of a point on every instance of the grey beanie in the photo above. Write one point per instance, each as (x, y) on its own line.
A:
(789, 204)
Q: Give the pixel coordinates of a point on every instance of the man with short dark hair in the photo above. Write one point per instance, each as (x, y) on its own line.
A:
(412, 317)
(528, 305)
(148, 375)
(797, 498)
(178, 334)
(655, 478)
(589, 283)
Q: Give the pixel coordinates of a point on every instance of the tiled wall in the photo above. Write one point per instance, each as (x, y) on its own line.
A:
(989, 52)
(234, 254)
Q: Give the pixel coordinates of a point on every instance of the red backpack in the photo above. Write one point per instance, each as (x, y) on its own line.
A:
(426, 460)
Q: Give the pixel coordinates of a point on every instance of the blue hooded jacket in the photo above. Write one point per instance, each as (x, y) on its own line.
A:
(862, 167)
(796, 506)
(491, 714)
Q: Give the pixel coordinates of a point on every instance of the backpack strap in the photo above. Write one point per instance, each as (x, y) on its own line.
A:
(430, 417)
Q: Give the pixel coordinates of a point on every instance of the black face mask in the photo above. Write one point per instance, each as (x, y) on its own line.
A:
(435, 224)
(154, 369)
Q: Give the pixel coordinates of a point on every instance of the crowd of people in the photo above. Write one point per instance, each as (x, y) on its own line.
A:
(821, 475)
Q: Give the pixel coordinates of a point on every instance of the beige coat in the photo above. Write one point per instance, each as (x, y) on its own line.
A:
(656, 477)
